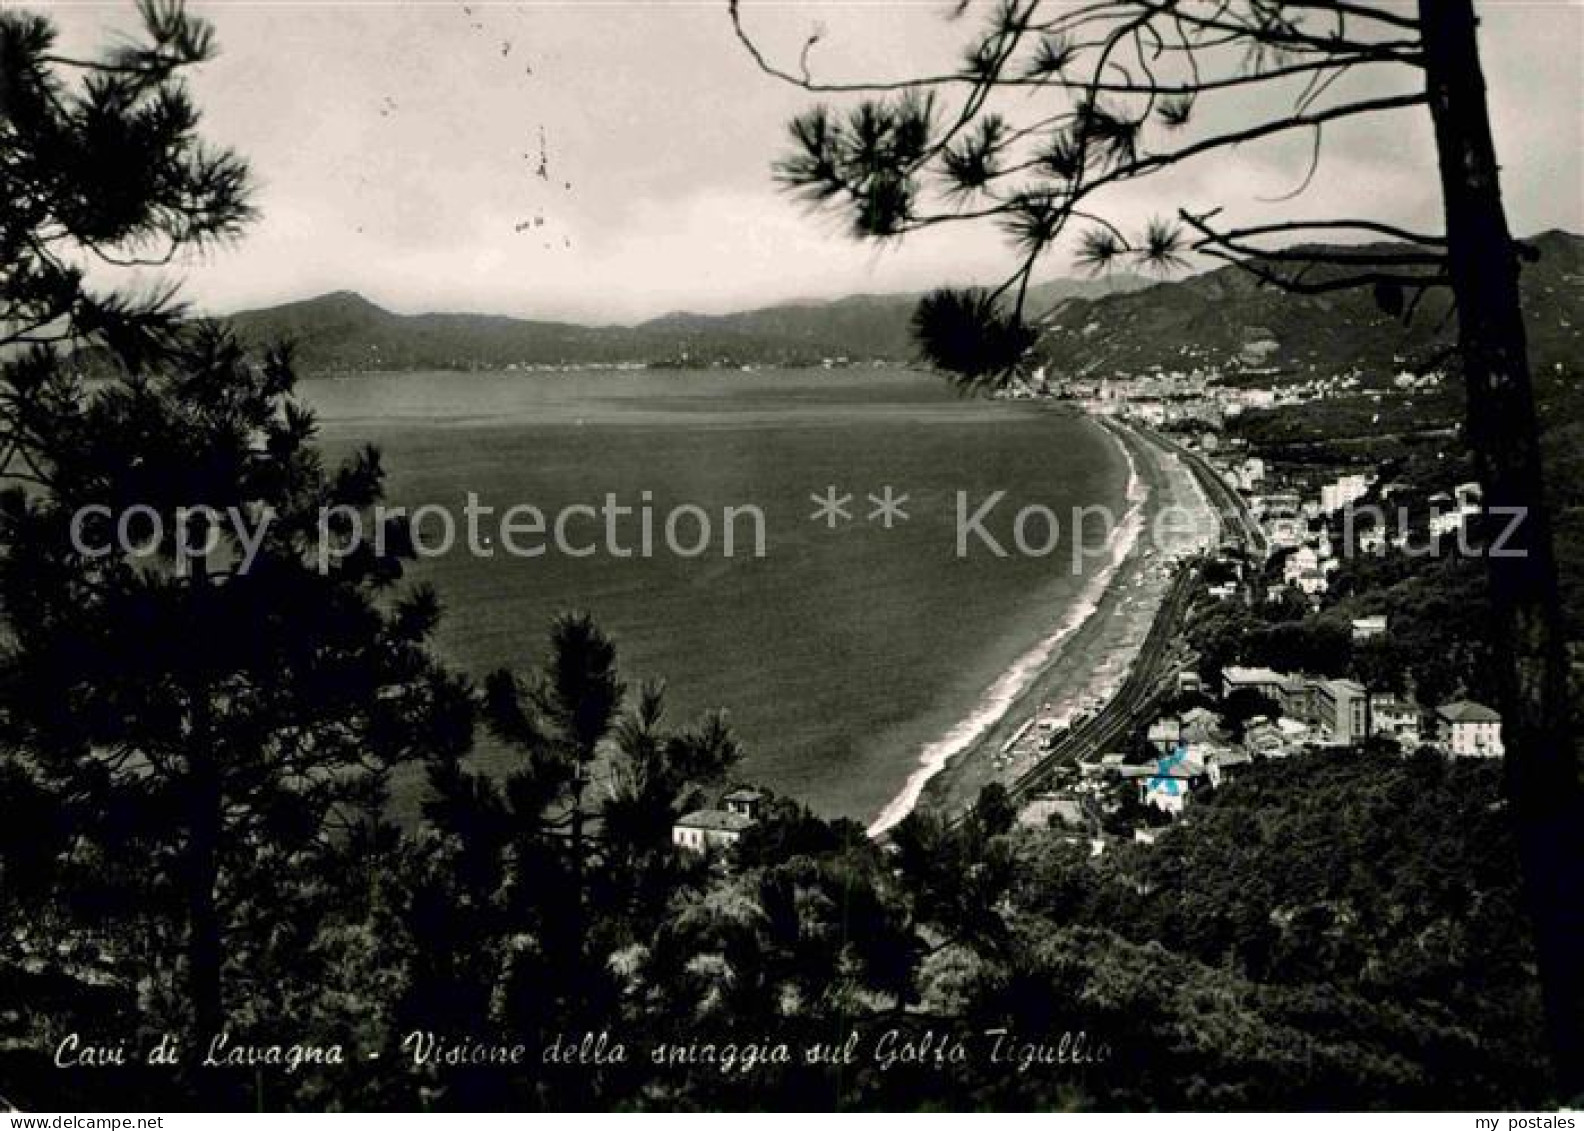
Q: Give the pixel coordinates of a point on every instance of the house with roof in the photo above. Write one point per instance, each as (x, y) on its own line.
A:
(1297, 732)
(1312, 582)
(744, 802)
(1341, 708)
(1283, 532)
(1168, 782)
(1395, 716)
(1109, 765)
(1343, 490)
(1055, 809)
(1262, 680)
(1305, 559)
(1225, 762)
(1371, 540)
(1199, 726)
(704, 830)
(1297, 696)
(1276, 504)
(1449, 513)
(1265, 738)
(1465, 729)
(1164, 733)
(1369, 628)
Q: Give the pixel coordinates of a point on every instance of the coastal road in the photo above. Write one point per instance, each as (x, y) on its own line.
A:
(1152, 678)
(1163, 653)
(1153, 675)
(1235, 517)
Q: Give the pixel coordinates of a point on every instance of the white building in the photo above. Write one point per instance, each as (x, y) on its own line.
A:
(705, 829)
(1152, 413)
(1275, 504)
(1191, 768)
(1369, 628)
(1395, 717)
(1346, 489)
(1305, 559)
(1250, 473)
(1340, 708)
(1371, 540)
(1165, 733)
(1465, 729)
(1262, 680)
(1449, 513)
(1284, 533)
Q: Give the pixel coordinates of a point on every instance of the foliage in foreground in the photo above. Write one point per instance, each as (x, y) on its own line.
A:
(1332, 931)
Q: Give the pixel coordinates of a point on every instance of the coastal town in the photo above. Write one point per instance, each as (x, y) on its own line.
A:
(1292, 530)
(1180, 725)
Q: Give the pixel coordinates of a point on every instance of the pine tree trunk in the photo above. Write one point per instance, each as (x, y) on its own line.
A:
(205, 813)
(1530, 650)
(203, 918)
(579, 925)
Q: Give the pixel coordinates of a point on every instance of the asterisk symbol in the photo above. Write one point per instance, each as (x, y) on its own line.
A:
(830, 507)
(888, 507)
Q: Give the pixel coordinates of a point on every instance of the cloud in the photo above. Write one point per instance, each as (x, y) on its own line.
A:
(400, 152)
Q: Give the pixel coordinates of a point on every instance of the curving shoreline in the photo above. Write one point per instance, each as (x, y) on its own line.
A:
(1085, 657)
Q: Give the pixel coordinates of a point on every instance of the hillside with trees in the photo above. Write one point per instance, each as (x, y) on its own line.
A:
(1232, 322)
(346, 333)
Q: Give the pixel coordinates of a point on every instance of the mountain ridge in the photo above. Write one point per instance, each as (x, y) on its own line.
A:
(1222, 319)
(1225, 319)
(343, 332)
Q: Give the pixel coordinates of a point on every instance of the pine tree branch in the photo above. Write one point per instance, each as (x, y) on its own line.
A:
(1406, 54)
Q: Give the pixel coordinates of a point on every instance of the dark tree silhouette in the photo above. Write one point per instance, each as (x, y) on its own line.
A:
(1053, 105)
(206, 711)
(570, 848)
(187, 717)
(101, 164)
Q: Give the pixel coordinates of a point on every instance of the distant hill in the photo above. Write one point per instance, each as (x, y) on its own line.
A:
(1223, 319)
(861, 325)
(344, 332)
(1227, 320)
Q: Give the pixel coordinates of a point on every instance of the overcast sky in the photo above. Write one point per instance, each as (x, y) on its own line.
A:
(610, 161)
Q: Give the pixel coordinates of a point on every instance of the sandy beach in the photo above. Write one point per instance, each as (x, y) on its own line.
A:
(1089, 651)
